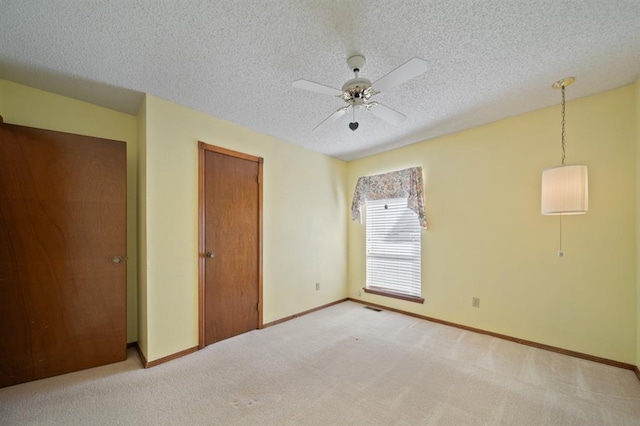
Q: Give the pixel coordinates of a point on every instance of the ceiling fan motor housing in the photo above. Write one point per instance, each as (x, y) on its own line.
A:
(357, 91)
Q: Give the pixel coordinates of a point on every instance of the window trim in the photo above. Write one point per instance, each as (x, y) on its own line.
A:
(394, 295)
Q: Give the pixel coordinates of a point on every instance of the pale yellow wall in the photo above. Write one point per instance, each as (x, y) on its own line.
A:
(26, 106)
(304, 223)
(637, 111)
(487, 238)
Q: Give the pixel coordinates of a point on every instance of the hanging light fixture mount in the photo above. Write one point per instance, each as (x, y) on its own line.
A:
(563, 83)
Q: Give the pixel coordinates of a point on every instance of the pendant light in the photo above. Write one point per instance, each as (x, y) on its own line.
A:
(565, 189)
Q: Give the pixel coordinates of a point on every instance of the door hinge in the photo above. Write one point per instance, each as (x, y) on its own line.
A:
(258, 307)
(258, 178)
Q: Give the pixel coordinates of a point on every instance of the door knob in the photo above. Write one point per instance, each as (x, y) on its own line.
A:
(117, 259)
(211, 255)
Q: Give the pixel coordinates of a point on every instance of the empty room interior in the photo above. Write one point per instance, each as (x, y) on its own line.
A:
(320, 212)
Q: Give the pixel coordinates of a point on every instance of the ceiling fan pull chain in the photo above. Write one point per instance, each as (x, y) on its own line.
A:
(354, 124)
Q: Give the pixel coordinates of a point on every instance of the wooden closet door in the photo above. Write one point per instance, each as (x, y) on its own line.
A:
(231, 239)
(62, 231)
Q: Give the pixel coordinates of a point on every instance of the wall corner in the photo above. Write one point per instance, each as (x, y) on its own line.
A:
(143, 339)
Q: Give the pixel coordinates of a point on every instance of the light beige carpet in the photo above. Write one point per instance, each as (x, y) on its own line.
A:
(344, 365)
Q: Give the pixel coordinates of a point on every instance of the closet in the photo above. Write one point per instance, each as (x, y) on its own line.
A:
(62, 253)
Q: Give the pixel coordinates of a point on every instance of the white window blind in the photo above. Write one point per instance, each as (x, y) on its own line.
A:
(393, 247)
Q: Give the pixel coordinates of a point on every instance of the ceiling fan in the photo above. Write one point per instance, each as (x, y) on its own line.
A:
(358, 91)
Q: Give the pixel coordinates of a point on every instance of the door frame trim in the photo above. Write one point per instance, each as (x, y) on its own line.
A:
(202, 148)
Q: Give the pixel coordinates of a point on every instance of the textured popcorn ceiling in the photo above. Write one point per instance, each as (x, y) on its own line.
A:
(237, 59)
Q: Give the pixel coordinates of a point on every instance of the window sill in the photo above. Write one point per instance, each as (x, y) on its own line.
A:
(400, 296)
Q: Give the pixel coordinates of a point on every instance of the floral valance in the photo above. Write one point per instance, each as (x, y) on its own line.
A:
(399, 184)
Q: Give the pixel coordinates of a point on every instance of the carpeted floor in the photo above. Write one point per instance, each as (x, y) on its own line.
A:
(344, 365)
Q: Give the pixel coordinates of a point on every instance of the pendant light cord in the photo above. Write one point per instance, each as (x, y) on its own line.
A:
(563, 122)
(560, 252)
(561, 84)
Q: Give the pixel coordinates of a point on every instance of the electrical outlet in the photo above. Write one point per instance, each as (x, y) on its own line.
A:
(317, 286)
(475, 302)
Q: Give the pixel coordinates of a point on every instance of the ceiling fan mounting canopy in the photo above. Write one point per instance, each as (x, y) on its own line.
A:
(356, 62)
(358, 91)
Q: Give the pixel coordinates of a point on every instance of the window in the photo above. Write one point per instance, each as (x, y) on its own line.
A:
(393, 250)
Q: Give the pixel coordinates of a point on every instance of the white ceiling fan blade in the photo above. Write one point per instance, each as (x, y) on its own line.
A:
(316, 87)
(386, 113)
(333, 117)
(413, 68)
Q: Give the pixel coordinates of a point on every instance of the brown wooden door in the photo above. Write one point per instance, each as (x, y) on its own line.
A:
(62, 220)
(230, 243)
